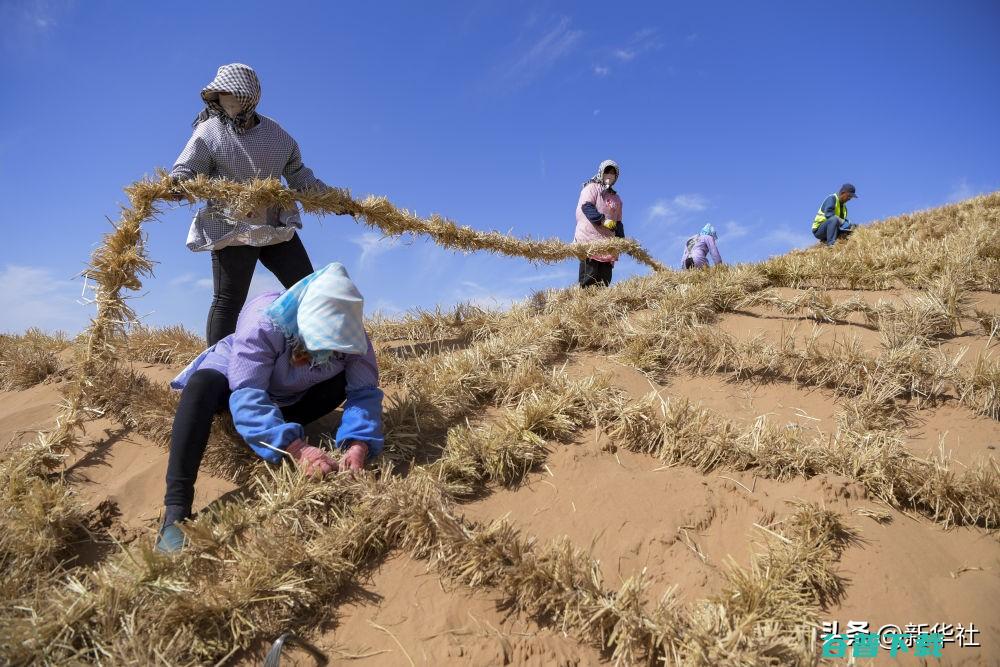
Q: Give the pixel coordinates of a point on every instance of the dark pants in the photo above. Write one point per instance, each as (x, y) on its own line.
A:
(232, 270)
(206, 393)
(593, 272)
(688, 263)
(830, 230)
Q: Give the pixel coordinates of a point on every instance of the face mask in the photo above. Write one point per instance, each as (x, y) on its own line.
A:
(231, 105)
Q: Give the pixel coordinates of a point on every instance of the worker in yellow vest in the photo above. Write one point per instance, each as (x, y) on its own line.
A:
(831, 219)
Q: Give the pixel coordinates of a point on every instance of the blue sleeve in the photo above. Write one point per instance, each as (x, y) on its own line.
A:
(258, 420)
(830, 206)
(592, 213)
(362, 420)
(255, 347)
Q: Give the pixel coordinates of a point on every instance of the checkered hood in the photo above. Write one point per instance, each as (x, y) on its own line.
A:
(604, 166)
(599, 176)
(241, 82)
(322, 314)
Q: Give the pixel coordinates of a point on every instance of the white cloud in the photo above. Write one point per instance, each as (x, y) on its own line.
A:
(182, 280)
(538, 54)
(33, 296)
(597, 112)
(434, 263)
(543, 277)
(372, 245)
(641, 42)
(692, 202)
(660, 209)
(28, 24)
(961, 191)
(484, 292)
(484, 297)
(191, 280)
(732, 231)
(785, 238)
(601, 71)
(646, 36)
(677, 209)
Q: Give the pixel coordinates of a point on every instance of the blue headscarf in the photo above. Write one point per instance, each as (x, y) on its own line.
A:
(709, 230)
(322, 314)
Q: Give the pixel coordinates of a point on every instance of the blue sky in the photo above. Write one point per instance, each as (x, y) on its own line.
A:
(492, 113)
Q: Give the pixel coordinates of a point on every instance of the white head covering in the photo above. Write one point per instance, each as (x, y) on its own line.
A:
(322, 314)
(601, 168)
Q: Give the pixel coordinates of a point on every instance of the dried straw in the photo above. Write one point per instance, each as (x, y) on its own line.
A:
(282, 556)
(381, 214)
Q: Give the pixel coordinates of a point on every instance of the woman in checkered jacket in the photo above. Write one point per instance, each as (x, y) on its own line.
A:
(232, 141)
(294, 358)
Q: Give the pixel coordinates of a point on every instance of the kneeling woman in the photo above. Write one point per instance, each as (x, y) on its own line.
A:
(295, 357)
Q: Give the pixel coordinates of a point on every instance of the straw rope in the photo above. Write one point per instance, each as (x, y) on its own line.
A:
(120, 262)
(380, 213)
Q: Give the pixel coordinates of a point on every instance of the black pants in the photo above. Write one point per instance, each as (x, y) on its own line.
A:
(232, 270)
(206, 393)
(593, 272)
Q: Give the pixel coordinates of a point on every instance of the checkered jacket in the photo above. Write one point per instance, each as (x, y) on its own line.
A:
(265, 151)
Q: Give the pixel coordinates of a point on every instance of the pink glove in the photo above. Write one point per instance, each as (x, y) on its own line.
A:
(355, 458)
(314, 461)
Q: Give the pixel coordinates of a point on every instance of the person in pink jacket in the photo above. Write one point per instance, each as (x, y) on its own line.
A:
(598, 218)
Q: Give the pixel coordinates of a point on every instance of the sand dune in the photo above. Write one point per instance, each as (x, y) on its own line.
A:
(684, 529)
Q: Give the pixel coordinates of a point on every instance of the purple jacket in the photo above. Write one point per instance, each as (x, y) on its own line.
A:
(257, 361)
(699, 250)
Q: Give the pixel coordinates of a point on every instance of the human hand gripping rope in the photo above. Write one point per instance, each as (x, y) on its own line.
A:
(316, 462)
(377, 212)
(313, 461)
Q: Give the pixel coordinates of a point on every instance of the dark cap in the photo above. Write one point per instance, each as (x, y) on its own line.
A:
(848, 188)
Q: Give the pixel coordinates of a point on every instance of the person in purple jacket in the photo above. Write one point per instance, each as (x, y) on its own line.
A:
(295, 357)
(699, 247)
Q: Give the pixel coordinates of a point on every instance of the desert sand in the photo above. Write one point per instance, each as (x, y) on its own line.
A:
(682, 528)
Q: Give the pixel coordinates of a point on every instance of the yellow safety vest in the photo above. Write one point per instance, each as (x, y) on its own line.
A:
(839, 210)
